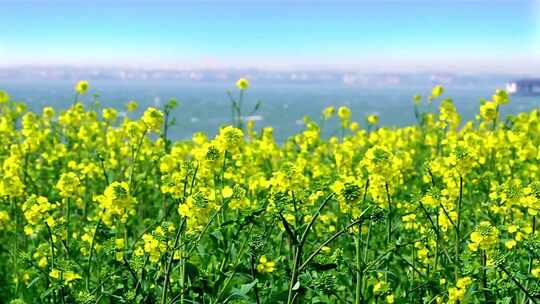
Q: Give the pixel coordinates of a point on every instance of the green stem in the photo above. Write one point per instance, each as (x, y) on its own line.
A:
(15, 256)
(294, 275)
(458, 224)
(235, 268)
(359, 296)
(222, 185)
(52, 253)
(366, 246)
(239, 110)
(169, 264)
(484, 277)
(332, 238)
(519, 285)
(139, 283)
(68, 221)
(389, 217)
(389, 227)
(359, 273)
(300, 247)
(437, 235)
(194, 246)
(92, 244)
(253, 277)
(530, 265)
(166, 146)
(182, 278)
(134, 156)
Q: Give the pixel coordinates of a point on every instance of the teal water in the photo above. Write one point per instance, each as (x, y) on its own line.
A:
(206, 107)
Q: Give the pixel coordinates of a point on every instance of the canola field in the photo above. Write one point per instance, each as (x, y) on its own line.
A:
(97, 205)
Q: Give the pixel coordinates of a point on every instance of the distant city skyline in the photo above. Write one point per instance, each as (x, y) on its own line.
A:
(467, 36)
(47, 75)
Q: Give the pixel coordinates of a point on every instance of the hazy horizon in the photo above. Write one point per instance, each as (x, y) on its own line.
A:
(289, 68)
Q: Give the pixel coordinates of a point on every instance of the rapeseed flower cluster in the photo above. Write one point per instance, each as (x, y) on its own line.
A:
(98, 204)
(116, 202)
(457, 294)
(37, 211)
(485, 237)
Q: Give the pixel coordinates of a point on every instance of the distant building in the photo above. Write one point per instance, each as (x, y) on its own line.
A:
(524, 87)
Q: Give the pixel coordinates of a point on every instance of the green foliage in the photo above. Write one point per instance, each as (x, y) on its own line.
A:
(98, 208)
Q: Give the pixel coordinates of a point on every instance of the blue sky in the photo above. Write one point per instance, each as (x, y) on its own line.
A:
(392, 35)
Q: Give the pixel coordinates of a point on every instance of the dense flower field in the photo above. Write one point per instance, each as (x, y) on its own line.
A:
(98, 206)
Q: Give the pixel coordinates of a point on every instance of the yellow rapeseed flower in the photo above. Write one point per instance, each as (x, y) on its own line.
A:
(55, 273)
(227, 192)
(265, 265)
(485, 236)
(328, 112)
(417, 99)
(500, 97)
(344, 113)
(372, 119)
(70, 276)
(437, 91)
(82, 87)
(4, 97)
(242, 83)
(153, 119)
(488, 110)
(131, 106)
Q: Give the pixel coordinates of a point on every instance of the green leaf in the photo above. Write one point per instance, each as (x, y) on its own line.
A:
(171, 104)
(506, 300)
(217, 235)
(257, 106)
(241, 293)
(323, 267)
(191, 270)
(244, 289)
(34, 281)
(49, 291)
